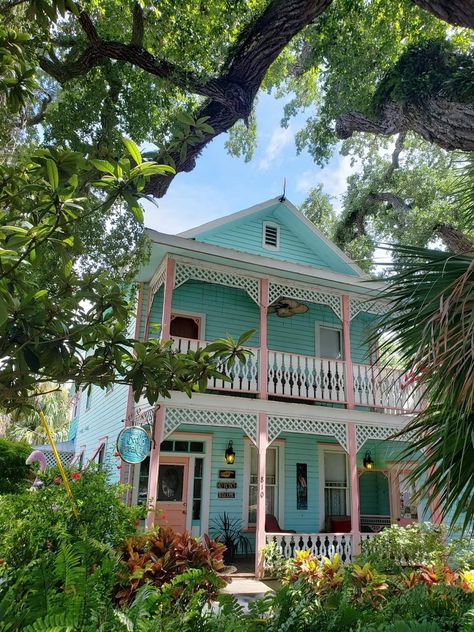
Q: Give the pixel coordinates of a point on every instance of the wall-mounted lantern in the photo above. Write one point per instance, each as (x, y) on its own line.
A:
(368, 461)
(229, 454)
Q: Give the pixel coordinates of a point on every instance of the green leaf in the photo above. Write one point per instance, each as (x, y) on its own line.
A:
(104, 166)
(133, 150)
(53, 175)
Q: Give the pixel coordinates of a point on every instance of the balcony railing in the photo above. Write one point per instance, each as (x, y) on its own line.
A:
(304, 377)
(319, 544)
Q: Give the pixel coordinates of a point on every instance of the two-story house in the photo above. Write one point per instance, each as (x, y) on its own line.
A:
(298, 438)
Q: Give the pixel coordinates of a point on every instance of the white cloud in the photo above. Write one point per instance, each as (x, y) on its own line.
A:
(333, 178)
(281, 137)
(185, 206)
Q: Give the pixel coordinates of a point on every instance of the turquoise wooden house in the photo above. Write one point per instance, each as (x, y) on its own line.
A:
(297, 444)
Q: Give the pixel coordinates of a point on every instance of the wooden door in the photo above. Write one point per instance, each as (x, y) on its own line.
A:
(171, 506)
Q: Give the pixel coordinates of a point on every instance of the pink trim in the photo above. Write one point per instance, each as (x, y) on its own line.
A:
(102, 443)
(264, 284)
(128, 493)
(354, 487)
(154, 465)
(346, 324)
(167, 299)
(261, 499)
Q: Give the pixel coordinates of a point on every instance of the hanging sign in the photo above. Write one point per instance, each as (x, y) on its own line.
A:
(133, 444)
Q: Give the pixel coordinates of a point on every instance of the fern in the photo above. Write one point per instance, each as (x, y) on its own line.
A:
(467, 622)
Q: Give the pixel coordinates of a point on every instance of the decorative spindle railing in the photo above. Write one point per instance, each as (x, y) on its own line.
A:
(243, 377)
(306, 377)
(319, 544)
(386, 388)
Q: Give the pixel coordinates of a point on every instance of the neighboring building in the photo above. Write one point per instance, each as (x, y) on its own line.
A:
(307, 417)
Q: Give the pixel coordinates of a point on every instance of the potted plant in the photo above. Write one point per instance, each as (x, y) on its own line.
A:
(227, 530)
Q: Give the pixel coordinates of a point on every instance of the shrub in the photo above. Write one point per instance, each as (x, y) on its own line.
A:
(36, 522)
(157, 558)
(413, 545)
(16, 475)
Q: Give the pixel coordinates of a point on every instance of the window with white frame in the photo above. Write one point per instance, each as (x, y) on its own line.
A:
(330, 342)
(336, 486)
(271, 483)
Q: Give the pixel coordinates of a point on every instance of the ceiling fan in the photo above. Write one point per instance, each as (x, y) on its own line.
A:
(286, 307)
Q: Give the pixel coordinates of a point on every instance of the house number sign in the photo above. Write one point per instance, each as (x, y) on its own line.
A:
(133, 444)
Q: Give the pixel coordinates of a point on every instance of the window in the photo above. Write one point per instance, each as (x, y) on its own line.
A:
(335, 485)
(185, 327)
(109, 388)
(197, 488)
(330, 342)
(271, 486)
(101, 456)
(271, 236)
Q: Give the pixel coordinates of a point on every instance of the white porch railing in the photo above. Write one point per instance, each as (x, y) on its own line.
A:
(306, 377)
(383, 388)
(320, 544)
(292, 375)
(243, 376)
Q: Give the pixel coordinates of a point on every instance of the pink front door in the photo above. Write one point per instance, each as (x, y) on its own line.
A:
(172, 494)
(405, 507)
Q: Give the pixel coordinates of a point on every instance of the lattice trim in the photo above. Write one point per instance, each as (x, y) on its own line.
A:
(382, 433)
(66, 458)
(174, 417)
(157, 279)
(360, 305)
(277, 425)
(277, 290)
(184, 272)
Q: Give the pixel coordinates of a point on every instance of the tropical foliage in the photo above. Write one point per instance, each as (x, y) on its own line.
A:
(15, 473)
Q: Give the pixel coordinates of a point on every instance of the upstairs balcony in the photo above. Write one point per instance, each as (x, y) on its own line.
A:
(311, 379)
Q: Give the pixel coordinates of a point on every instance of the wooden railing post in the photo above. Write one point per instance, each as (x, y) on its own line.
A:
(263, 388)
(154, 465)
(354, 487)
(261, 494)
(167, 299)
(346, 336)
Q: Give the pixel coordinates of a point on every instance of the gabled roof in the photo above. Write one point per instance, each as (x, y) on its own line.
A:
(287, 213)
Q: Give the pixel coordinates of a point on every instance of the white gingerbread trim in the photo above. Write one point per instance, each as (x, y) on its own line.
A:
(174, 417)
(277, 425)
(382, 433)
(184, 272)
(360, 305)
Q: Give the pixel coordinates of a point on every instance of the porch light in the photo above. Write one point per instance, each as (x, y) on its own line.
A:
(368, 461)
(229, 454)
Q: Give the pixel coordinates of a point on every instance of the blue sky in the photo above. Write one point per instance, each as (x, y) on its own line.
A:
(221, 184)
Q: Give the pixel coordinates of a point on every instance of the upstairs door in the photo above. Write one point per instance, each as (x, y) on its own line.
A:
(172, 506)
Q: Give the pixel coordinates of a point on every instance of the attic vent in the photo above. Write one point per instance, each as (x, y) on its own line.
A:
(271, 236)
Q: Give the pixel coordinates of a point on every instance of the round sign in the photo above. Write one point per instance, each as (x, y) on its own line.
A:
(133, 444)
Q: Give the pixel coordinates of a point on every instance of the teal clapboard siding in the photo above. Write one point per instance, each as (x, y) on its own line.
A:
(104, 418)
(298, 243)
(374, 494)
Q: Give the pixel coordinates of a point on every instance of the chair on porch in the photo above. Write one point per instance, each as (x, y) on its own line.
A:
(272, 526)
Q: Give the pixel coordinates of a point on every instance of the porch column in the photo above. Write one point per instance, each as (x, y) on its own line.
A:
(346, 325)
(167, 298)
(354, 487)
(263, 386)
(154, 465)
(261, 499)
(436, 512)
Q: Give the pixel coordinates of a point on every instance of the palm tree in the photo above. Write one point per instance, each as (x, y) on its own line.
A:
(25, 424)
(430, 326)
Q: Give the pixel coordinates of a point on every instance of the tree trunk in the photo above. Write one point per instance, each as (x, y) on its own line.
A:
(454, 239)
(445, 123)
(457, 12)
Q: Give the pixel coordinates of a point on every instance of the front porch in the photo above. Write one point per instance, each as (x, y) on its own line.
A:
(327, 481)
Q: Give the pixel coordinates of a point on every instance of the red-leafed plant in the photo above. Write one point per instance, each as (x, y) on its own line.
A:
(156, 558)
